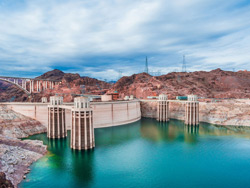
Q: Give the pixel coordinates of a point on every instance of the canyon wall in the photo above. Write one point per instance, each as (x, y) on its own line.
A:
(226, 112)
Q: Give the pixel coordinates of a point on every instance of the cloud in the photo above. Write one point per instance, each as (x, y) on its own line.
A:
(101, 38)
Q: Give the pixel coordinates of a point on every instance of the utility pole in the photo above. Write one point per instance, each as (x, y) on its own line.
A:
(146, 65)
(184, 68)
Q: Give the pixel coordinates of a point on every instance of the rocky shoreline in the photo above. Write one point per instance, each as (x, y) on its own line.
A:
(17, 155)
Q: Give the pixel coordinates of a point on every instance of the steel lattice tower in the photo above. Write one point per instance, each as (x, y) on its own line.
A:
(146, 65)
(184, 68)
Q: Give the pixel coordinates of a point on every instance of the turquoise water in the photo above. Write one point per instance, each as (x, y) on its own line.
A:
(148, 154)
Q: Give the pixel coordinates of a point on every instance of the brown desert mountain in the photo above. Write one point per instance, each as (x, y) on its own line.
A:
(70, 85)
(214, 84)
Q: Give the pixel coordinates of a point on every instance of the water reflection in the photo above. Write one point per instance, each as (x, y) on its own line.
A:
(177, 130)
(191, 133)
(167, 131)
(107, 137)
(82, 166)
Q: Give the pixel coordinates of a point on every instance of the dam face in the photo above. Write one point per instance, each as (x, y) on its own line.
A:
(105, 114)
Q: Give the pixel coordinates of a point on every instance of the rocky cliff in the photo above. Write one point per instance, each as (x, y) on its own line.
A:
(213, 84)
(16, 155)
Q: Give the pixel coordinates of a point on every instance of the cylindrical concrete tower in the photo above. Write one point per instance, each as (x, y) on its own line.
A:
(82, 130)
(56, 124)
(192, 110)
(163, 108)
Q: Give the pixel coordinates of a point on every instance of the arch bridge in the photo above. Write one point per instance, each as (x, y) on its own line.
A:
(30, 85)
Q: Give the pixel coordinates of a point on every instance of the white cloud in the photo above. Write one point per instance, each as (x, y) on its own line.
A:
(77, 35)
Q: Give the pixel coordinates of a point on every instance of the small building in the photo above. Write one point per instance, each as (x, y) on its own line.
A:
(105, 98)
(115, 95)
(126, 98)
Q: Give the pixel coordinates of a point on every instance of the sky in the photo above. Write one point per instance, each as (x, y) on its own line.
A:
(108, 38)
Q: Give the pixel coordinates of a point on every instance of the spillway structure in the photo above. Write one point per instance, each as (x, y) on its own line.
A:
(192, 110)
(163, 108)
(56, 120)
(82, 130)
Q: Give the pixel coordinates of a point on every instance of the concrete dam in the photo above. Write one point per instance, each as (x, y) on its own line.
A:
(105, 114)
(82, 116)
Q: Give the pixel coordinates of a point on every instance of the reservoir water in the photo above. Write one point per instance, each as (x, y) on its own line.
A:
(148, 154)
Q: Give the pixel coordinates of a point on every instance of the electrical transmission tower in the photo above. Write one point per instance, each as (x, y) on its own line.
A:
(146, 65)
(184, 68)
(120, 74)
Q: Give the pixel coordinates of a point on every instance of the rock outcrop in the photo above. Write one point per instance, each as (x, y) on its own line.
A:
(17, 155)
(4, 182)
(16, 125)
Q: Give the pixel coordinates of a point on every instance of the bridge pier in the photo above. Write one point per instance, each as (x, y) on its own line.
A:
(82, 130)
(163, 108)
(56, 120)
(192, 110)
